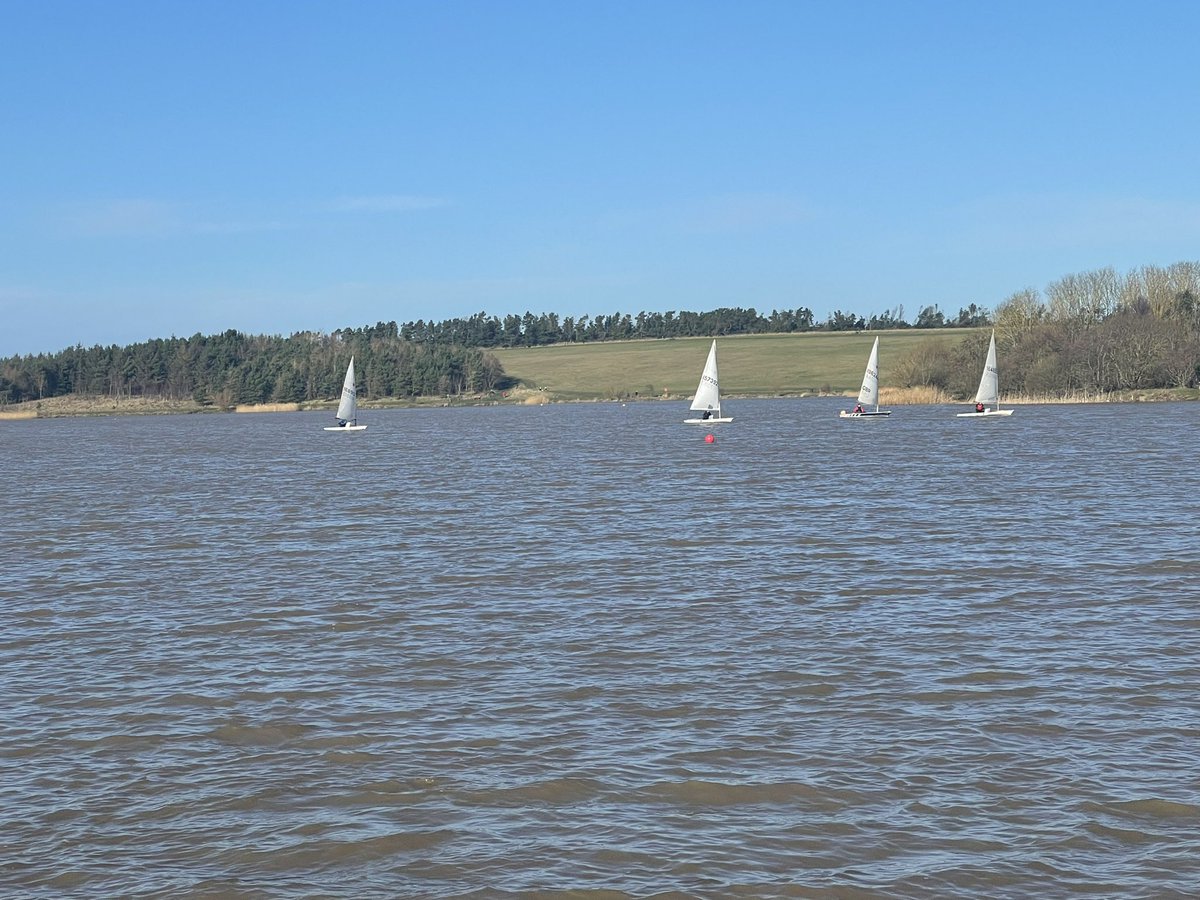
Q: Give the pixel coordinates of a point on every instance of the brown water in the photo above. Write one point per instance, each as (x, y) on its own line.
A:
(575, 648)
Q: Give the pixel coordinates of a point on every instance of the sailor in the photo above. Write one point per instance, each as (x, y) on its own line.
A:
(979, 407)
(707, 414)
(858, 409)
(341, 423)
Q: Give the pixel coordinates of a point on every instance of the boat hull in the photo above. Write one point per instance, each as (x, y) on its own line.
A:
(723, 421)
(863, 415)
(985, 413)
(345, 427)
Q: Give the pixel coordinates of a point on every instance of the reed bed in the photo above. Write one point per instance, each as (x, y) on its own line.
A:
(98, 405)
(1144, 395)
(266, 407)
(913, 396)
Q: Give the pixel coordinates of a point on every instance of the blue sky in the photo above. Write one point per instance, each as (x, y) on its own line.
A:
(172, 168)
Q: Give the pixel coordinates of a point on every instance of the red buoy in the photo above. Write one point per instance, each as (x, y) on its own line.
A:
(710, 439)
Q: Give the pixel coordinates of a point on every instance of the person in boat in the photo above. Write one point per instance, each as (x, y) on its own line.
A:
(858, 409)
(979, 407)
(707, 414)
(341, 423)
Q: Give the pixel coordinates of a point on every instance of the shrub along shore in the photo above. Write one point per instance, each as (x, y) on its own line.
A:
(92, 406)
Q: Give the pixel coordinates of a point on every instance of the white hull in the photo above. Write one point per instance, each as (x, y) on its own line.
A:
(989, 388)
(868, 394)
(708, 395)
(345, 427)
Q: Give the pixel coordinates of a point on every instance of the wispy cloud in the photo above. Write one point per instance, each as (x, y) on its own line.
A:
(388, 203)
(122, 218)
(15, 296)
(240, 227)
(719, 214)
(1081, 220)
(148, 218)
(740, 212)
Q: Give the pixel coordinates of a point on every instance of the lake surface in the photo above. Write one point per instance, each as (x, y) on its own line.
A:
(514, 651)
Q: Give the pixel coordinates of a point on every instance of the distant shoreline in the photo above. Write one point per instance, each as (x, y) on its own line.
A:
(74, 406)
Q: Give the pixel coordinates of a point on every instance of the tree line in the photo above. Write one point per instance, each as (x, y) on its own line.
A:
(535, 330)
(233, 367)
(415, 359)
(1088, 333)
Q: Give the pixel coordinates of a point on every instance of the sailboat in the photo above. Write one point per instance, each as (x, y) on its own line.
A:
(347, 411)
(869, 392)
(708, 394)
(989, 388)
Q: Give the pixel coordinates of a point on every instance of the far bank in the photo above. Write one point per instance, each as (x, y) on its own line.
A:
(811, 364)
(77, 406)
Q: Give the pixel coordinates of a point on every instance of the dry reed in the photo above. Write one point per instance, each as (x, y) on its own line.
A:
(912, 396)
(266, 407)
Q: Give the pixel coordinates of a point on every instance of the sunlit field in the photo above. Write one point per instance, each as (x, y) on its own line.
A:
(762, 365)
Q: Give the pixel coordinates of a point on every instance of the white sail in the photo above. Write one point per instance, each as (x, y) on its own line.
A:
(348, 407)
(987, 398)
(989, 384)
(347, 411)
(868, 394)
(708, 393)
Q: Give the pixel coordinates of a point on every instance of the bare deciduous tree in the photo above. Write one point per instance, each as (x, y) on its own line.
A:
(1084, 299)
(1018, 315)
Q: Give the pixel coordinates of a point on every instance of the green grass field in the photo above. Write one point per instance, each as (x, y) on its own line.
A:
(751, 365)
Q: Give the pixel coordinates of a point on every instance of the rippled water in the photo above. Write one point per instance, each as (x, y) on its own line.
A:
(575, 648)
